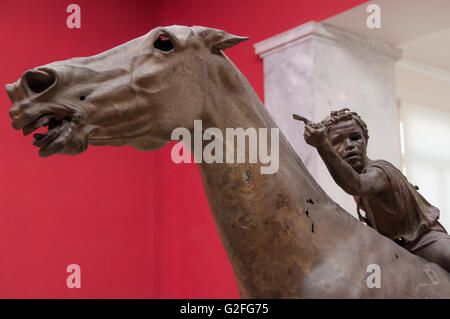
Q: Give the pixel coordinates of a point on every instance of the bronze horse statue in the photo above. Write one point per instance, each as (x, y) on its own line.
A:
(284, 237)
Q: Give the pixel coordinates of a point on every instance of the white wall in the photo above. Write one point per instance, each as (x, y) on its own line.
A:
(424, 95)
(315, 68)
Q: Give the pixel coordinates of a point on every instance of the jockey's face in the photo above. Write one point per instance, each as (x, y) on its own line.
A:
(347, 139)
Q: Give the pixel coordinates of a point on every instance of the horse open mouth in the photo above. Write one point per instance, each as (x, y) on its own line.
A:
(52, 141)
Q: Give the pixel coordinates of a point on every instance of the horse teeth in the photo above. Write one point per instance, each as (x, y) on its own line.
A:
(42, 122)
(46, 139)
(30, 128)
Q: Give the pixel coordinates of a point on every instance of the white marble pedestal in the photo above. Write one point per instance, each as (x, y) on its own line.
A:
(315, 68)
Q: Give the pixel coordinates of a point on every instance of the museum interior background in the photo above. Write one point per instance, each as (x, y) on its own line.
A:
(138, 224)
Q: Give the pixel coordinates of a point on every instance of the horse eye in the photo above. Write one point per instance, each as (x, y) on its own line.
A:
(163, 43)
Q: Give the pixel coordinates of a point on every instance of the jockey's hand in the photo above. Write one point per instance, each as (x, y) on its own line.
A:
(315, 133)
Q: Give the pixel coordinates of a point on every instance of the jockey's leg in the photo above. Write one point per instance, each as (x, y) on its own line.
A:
(438, 250)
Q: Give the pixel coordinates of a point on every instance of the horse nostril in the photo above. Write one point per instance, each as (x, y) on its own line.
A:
(14, 112)
(38, 81)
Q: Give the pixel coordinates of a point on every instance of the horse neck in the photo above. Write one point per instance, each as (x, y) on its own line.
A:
(238, 106)
(251, 209)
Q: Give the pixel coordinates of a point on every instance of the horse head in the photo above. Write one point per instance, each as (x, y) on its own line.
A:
(134, 94)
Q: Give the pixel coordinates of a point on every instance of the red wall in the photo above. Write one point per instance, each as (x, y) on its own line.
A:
(137, 224)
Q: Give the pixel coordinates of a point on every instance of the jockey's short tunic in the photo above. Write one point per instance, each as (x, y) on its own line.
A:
(400, 213)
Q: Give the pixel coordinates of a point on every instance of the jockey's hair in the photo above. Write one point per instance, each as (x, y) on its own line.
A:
(345, 115)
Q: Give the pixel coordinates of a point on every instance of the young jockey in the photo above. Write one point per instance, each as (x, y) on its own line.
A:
(391, 204)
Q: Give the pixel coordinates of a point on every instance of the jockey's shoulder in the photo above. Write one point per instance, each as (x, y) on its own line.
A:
(380, 164)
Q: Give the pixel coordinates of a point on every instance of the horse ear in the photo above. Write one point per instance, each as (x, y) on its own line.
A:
(218, 40)
(224, 40)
